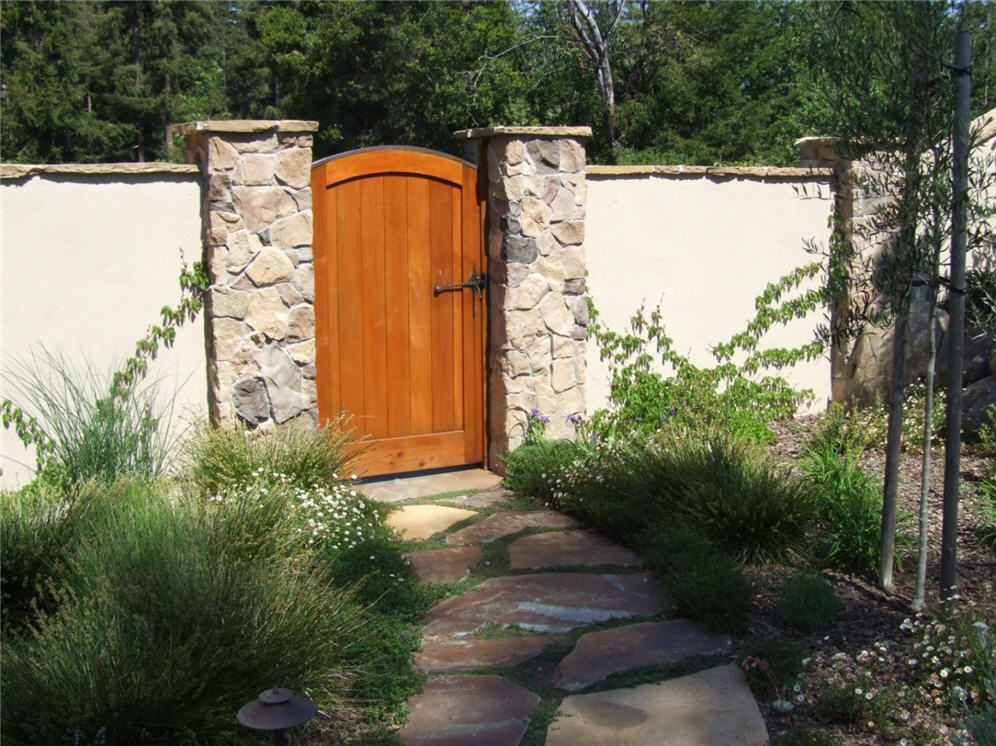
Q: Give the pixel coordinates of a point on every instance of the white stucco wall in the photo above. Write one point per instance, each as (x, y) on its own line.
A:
(88, 258)
(704, 245)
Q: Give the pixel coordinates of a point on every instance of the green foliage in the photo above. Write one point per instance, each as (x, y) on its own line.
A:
(846, 705)
(850, 509)
(982, 726)
(803, 735)
(219, 460)
(540, 469)
(653, 387)
(165, 626)
(88, 425)
(783, 658)
(807, 601)
(700, 581)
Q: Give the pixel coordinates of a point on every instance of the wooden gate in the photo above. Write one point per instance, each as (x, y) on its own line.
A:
(400, 306)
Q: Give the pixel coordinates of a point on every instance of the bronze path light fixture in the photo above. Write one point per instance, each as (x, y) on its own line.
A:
(277, 710)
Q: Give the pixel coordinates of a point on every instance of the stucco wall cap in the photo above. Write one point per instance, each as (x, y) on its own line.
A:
(21, 170)
(482, 132)
(751, 172)
(247, 126)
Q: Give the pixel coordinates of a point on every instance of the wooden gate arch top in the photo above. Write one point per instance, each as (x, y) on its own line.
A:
(407, 364)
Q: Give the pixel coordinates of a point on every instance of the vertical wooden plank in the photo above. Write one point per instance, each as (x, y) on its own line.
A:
(420, 301)
(441, 248)
(350, 302)
(326, 296)
(474, 393)
(396, 277)
(461, 302)
(373, 314)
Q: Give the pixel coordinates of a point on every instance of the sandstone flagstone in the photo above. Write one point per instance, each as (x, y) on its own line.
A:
(422, 521)
(447, 656)
(510, 522)
(599, 654)
(709, 708)
(566, 548)
(547, 602)
(462, 710)
(396, 490)
(444, 565)
(483, 499)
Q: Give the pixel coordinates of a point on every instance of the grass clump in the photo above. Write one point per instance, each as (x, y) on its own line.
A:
(85, 425)
(783, 660)
(807, 601)
(221, 459)
(165, 626)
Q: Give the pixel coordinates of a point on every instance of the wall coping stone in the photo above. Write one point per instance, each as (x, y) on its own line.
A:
(762, 172)
(484, 132)
(246, 126)
(20, 170)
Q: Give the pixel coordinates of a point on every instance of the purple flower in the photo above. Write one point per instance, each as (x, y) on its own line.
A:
(534, 412)
(545, 419)
(575, 419)
(673, 411)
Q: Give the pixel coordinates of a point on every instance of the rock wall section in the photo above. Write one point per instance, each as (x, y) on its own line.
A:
(538, 310)
(260, 320)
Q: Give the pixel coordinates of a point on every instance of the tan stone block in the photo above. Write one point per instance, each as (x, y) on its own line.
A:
(540, 355)
(544, 186)
(217, 264)
(293, 231)
(243, 247)
(528, 293)
(221, 155)
(228, 302)
(222, 219)
(513, 363)
(519, 169)
(521, 327)
(552, 269)
(302, 352)
(548, 245)
(250, 144)
(270, 267)
(563, 206)
(216, 236)
(301, 323)
(267, 314)
(562, 374)
(219, 187)
(573, 263)
(516, 273)
(260, 206)
(569, 233)
(225, 335)
(535, 216)
(302, 197)
(556, 315)
(514, 152)
(304, 280)
(294, 167)
(305, 141)
(572, 156)
(255, 170)
(289, 295)
(565, 347)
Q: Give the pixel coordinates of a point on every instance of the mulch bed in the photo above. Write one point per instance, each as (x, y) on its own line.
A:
(867, 634)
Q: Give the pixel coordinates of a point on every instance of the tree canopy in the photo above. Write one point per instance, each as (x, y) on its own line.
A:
(693, 82)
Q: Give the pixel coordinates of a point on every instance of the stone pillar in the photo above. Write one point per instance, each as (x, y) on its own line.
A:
(538, 310)
(260, 317)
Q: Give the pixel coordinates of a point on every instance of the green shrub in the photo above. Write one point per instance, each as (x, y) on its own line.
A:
(223, 459)
(807, 601)
(90, 433)
(743, 502)
(845, 705)
(702, 582)
(982, 726)
(784, 659)
(850, 513)
(543, 469)
(173, 613)
(803, 735)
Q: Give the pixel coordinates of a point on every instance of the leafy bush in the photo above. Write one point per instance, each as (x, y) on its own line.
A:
(803, 735)
(174, 613)
(807, 601)
(542, 469)
(221, 459)
(783, 658)
(850, 511)
(86, 424)
(702, 582)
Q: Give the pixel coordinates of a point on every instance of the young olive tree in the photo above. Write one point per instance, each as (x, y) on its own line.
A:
(884, 70)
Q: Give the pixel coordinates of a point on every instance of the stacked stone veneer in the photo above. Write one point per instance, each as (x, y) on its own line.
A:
(260, 320)
(538, 311)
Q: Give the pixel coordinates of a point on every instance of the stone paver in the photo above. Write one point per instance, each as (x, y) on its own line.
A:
(446, 656)
(547, 602)
(395, 490)
(498, 525)
(483, 499)
(565, 549)
(422, 521)
(463, 710)
(599, 654)
(445, 565)
(710, 708)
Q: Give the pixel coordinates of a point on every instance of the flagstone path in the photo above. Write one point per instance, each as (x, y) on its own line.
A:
(554, 614)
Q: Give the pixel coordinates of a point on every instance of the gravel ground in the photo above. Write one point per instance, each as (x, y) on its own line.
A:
(866, 647)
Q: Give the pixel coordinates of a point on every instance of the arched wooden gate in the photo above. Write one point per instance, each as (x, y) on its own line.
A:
(400, 305)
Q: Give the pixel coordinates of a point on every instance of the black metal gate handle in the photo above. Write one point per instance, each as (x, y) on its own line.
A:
(475, 282)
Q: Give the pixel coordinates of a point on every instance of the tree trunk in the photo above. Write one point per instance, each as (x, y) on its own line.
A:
(892, 454)
(928, 419)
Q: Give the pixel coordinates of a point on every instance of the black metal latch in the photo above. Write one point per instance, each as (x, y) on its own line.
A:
(475, 282)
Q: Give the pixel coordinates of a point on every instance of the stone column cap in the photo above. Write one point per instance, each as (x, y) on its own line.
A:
(483, 132)
(246, 126)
